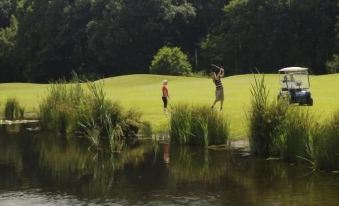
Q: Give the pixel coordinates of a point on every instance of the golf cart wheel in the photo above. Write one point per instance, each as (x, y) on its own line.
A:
(310, 102)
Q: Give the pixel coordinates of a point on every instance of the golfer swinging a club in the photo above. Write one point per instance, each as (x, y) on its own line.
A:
(216, 74)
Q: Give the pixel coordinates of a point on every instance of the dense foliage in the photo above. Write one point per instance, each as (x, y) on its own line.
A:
(42, 40)
(170, 61)
(271, 34)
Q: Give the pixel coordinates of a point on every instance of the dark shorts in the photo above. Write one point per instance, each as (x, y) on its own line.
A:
(164, 100)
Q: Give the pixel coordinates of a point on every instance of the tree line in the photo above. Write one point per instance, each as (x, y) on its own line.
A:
(42, 40)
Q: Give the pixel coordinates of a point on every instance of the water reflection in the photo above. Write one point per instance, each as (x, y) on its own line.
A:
(60, 171)
(166, 149)
(93, 174)
(199, 165)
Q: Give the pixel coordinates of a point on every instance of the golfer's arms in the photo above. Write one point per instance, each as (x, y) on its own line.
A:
(214, 75)
(221, 73)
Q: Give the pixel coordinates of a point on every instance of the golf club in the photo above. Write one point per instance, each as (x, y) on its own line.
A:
(216, 66)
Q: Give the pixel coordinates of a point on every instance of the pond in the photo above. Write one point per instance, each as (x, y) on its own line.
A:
(45, 169)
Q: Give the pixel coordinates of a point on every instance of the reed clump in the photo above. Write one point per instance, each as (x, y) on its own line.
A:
(299, 129)
(277, 128)
(265, 120)
(13, 110)
(324, 147)
(82, 108)
(291, 133)
(58, 110)
(198, 125)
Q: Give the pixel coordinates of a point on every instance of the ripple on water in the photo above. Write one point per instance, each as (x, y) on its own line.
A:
(18, 198)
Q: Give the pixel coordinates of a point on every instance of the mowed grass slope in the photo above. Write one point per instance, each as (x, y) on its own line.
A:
(143, 92)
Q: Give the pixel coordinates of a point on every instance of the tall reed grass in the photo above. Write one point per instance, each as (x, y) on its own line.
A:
(299, 129)
(324, 147)
(73, 109)
(13, 110)
(198, 125)
(277, 128)
(265, 120)
(58, 110)
(292, 133)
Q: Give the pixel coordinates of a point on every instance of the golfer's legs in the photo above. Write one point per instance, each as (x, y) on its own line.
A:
(215, 101)
(164, 100)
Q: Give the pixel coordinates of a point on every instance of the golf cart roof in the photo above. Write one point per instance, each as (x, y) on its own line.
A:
(293, 69)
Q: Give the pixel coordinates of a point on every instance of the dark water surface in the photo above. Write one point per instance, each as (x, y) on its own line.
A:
(41, 169)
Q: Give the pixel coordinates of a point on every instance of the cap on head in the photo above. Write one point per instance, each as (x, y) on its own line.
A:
(164, 82)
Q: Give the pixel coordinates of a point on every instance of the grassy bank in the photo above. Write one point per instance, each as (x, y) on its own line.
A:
(143, 92)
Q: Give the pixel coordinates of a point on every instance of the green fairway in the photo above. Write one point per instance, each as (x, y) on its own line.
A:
(143, 92)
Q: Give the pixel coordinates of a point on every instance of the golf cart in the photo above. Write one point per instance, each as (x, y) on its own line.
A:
(295, 86)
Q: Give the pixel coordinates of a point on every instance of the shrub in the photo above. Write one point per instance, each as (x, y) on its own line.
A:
(198, 125)
(170, 61)
(13, 110)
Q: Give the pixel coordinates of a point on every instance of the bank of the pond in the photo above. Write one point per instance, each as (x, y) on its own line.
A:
(143, 92)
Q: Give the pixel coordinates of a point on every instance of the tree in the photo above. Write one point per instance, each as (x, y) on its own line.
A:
(7, 9)
(124, 35)
(53, 46)
(50, 39)
(270, 34)
(94, 36)
(8, 71)
(333, 64)
(170, 61)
